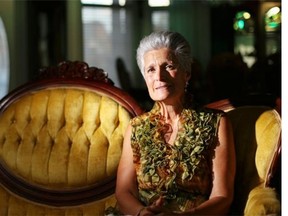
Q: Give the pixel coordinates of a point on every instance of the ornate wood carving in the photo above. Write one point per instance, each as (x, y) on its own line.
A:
(74, 70)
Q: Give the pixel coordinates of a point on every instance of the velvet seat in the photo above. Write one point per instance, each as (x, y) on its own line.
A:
(257, 136)
(60, 142)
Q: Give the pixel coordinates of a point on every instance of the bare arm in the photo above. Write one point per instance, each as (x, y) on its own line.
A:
(224, 172)
(126, 186)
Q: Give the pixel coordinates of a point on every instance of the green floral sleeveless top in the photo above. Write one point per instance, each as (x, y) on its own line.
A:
(182, 172)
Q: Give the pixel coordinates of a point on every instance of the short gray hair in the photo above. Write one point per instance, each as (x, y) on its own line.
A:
(165, 39)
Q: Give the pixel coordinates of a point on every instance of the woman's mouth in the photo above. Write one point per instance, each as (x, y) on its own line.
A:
(162, 87)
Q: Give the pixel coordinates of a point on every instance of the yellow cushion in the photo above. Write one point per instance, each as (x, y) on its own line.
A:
(63, 137)
(268, 129)
(262, 201)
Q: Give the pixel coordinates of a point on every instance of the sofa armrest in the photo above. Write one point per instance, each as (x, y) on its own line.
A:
(263, 201)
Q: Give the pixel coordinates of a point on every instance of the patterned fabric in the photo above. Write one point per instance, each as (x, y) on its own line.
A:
(182, 172)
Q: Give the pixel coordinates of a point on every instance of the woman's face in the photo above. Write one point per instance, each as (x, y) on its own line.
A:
(163, 76)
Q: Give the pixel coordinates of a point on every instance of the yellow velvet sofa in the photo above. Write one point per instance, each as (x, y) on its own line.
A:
(257, 136)
(60, 142)
(61, 139)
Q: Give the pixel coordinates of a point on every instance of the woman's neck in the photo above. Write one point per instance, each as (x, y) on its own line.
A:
(171, 113)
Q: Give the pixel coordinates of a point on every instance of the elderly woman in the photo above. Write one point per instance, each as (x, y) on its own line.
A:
(178, 159)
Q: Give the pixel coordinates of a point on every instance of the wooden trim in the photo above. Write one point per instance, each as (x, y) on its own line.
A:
(224, 105)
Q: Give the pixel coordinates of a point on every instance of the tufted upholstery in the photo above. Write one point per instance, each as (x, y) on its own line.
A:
(60, 142)
(257, 135)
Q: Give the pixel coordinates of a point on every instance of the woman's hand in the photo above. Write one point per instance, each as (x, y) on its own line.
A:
(158, 208)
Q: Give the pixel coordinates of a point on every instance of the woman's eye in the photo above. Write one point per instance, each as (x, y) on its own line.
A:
(150, 70)
(169, 67)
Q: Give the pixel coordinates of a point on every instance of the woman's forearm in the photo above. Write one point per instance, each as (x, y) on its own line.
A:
(213, 206)
(128, 204)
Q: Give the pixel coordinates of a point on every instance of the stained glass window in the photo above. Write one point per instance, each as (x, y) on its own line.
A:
(273, 19)
(243, 22)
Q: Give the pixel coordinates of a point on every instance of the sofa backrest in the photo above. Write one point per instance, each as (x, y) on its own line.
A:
(61, 140)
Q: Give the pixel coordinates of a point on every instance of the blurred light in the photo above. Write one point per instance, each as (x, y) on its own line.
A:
(4, 60)
(241, 24)
(97, 2)
(246, 15)
(273, 11)
(273, 19)
(158, 3)
(121, 2)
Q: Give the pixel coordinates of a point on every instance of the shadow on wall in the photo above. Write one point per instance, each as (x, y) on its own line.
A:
(269, 70)
(227, 76)
(140, 95)
(196, 85)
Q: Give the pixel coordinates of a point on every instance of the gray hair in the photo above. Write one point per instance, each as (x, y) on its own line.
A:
(165, 39)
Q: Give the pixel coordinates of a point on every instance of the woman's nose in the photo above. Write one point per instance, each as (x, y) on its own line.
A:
(160, 73)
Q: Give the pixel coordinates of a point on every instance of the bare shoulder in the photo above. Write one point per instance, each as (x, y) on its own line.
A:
(225, 124)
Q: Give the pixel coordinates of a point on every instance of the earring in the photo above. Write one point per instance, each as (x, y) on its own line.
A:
(186, 86)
